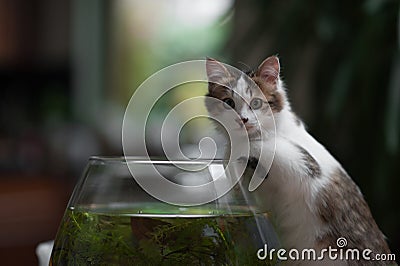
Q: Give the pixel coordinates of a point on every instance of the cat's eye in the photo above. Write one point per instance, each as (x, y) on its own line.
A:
(256, 103)
(229, 103)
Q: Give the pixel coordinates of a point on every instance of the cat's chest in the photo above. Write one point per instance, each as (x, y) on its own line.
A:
(257, 147)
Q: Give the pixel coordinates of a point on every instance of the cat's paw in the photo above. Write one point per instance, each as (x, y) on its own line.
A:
(242, 159)
(251, 162)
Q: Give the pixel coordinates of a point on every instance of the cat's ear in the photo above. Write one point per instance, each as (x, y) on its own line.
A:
(215, 70)
(269, 70)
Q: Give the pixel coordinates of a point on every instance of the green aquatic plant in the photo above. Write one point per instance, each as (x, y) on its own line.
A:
(96, 239)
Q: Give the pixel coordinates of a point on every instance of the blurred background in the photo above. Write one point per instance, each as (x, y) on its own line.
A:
(69, 68)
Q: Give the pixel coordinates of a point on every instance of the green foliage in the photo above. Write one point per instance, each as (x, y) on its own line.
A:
(93, 239)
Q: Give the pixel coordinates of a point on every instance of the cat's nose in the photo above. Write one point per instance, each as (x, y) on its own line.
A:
(245, 120)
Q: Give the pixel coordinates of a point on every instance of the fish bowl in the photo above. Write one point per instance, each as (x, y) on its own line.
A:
(113, 219)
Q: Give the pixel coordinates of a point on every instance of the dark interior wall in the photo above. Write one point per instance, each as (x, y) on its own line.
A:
(34, 89)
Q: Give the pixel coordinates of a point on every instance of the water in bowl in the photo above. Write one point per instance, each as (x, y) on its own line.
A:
(152, 236)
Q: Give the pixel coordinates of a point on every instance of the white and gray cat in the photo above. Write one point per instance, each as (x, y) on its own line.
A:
(312, 199)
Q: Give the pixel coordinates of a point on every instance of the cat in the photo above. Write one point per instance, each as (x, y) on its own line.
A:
(312, 199)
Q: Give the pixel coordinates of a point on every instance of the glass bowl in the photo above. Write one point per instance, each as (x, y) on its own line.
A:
(112, 220)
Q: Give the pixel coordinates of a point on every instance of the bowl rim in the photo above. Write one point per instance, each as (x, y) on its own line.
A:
(152, 160)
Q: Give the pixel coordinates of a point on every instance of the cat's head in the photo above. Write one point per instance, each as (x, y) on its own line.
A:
(255, 97)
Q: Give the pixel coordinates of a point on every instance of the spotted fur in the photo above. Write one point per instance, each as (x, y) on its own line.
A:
(342, 208)
(310, 164)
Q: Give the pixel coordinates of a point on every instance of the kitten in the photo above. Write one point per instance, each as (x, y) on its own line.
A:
(311, 197)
